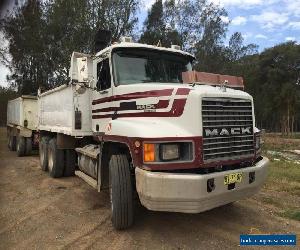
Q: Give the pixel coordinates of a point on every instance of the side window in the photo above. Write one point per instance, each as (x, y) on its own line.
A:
(103, 75)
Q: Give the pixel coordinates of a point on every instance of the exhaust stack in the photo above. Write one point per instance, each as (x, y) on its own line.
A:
(102, 39)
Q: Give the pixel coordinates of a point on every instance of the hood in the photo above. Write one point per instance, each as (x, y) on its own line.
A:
(201, 90)
(171, 109)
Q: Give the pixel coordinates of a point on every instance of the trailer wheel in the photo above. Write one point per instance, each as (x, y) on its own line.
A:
(21, 146)
(70, 162)
(120, 192)
(55, 160)
(43, 152)
(12, 143)
(9, 140)
(28, 144)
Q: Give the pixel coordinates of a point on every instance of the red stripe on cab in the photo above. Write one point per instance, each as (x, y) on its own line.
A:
(183, 91)
(176, 111)
(135, 95)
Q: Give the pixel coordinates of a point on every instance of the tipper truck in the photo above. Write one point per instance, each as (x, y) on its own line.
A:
(136, 120)
(22, 135)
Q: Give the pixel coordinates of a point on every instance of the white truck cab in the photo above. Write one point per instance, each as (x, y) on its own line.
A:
(128, 123)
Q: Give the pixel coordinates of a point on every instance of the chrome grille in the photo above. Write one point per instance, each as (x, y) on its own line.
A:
(227, 129)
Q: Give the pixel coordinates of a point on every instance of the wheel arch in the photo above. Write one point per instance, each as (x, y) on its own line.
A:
(109, 148)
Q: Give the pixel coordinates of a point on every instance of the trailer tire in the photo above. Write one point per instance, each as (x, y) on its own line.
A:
(43, 152)
(9, 142)
(12, 143)
(55, 159)
(28, 145)
(21, 144)
(120, 192)
(70, 162)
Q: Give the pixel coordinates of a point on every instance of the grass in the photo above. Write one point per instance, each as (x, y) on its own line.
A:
(287, 172)
(293, 214)
(282, 188)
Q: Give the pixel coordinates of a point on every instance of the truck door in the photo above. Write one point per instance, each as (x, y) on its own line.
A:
(102, 95)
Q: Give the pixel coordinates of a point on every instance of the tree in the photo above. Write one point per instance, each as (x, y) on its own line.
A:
(237, 49)
(24, 32)
(43, 34)
(203, 32)
(118, 16)
(271, 78)
(156, 29)
(6, 94)
(236, 53)
(280, 69)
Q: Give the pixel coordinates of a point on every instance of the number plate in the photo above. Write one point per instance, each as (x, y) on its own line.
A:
(232, 178)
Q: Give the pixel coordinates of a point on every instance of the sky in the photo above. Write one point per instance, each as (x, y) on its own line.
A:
(263, 22)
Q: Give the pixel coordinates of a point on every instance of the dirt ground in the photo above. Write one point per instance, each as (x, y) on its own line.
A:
(38, 212)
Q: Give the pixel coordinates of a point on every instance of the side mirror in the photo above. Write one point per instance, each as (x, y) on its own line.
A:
(80, 88)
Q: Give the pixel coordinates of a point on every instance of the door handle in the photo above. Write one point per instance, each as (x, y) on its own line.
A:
(103, 92)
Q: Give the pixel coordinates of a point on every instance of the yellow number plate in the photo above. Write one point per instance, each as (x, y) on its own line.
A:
(232, 178)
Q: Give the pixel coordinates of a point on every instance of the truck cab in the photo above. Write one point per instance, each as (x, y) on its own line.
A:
(176, 145)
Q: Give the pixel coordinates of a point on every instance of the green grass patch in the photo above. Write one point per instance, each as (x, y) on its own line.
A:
(281, 170)
(271, 201)
(291, 214)
(284, 177)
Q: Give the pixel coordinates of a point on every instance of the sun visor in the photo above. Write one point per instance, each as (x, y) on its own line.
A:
(235, 82)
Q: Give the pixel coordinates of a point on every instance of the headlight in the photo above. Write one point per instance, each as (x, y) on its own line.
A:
(169, 152)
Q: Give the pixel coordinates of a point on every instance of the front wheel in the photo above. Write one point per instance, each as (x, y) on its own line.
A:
(120, 192)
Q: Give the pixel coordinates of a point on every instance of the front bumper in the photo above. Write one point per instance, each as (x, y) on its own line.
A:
(187, 193)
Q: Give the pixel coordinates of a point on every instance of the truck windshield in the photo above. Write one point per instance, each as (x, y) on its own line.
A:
(134, 65)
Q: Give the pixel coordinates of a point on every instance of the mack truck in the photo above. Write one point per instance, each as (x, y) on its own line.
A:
(22, 135)
(135, 121)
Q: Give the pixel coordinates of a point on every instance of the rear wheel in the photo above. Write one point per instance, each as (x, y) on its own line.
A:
(21, 146)
(120, 192)
(12, 143)
(9, 142)
(28, 145)
(55, 160)
(43, 152)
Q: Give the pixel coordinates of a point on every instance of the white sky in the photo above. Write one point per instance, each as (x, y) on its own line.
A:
(3, 72)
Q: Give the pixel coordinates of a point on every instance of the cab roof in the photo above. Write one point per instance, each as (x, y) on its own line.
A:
(141, 45)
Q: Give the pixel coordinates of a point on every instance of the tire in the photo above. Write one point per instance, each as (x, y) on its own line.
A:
(28, 145)
(11, 143)
(14, 143)
(120, 192)
(21, 146)
(55, 160)
(9, 140)
(70, 162)
(43, 153)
